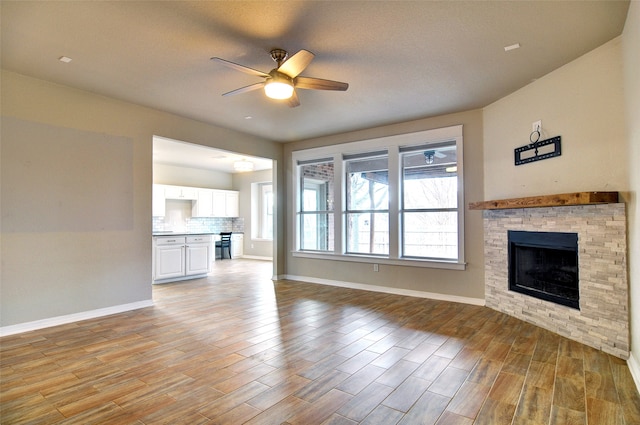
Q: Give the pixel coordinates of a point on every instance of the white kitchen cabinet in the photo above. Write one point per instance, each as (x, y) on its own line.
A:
(203, 206)
(169, 258)
(158, 201)
(198, 255)
(181, 192)
(232, 207)
(237, 245)
(181, 257)
(225, 203)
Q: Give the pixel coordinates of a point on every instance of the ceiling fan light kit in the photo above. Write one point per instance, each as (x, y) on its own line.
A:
(278, 87)
(282, 81)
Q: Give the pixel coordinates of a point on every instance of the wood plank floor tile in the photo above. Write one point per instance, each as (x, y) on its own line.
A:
(449, 418)
(237, 348)
(534, 405)
(569, 393)
(406, 394)
(382, 415)
(360, 406)
(468, 401)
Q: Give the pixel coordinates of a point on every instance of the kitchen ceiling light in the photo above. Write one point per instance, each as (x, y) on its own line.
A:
(278, 87)
(243, 165)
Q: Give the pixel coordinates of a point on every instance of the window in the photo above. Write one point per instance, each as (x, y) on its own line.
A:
(395, 200)
(315, 213)
(262, 211)
(429, 212)
(367, 210)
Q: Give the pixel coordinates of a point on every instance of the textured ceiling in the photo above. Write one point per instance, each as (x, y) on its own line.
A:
(403, 60)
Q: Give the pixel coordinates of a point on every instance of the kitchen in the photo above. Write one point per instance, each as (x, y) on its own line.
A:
(199, 193)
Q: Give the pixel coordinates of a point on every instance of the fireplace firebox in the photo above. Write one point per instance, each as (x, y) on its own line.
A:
(545, 265)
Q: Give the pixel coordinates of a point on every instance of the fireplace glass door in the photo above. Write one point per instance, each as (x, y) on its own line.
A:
(545, 265)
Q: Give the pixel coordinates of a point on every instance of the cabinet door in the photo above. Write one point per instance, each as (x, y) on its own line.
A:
(219, 203)
(232, 204)
(180, 192)
(203, 206)
(169, 261)
(158, 202)
(237, 245)
(198, 258)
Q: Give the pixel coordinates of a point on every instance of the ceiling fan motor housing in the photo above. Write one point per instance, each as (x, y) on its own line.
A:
(279, 56)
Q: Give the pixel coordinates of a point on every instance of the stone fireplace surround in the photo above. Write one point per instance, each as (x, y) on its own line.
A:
(603, 319)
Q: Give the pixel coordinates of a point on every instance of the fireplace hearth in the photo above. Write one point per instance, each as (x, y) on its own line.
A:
(544, 265)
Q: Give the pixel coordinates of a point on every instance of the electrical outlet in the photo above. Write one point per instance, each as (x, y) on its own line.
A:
(375, 268)
(537, 126)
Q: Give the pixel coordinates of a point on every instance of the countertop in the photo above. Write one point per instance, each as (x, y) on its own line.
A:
(190, 233)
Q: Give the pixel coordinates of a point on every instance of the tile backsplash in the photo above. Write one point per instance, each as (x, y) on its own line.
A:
(200, 224)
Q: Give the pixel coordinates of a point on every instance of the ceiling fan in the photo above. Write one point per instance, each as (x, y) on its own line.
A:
(281, 82)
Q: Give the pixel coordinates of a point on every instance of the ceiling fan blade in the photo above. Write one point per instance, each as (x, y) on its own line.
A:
(293, 101)
(240, 68)
(245, 89)
(319, 84)
(296, 63)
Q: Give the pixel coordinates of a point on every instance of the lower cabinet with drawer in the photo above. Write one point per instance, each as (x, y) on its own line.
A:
(181, 257)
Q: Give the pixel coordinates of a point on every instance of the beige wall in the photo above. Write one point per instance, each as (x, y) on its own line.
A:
(468, 283)
(631, 58)
(583, 103)
(74, 267)
(195, 177)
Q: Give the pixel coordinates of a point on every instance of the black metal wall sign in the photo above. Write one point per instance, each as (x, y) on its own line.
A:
(537, 150)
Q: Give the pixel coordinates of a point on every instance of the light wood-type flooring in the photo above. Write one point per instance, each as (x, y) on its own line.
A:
(235, 348)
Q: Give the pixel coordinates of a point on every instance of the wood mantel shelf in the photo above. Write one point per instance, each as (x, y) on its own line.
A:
(561, 200)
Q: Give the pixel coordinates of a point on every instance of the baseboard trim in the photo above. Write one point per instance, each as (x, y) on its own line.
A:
(257, 257)
(634, 368)
(70, 318)
(386, 290)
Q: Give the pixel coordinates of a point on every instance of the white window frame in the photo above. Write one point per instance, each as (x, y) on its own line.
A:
(392, 144)
(259, 215)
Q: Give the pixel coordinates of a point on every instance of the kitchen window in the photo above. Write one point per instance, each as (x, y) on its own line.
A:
(392, 200)
(262, 212)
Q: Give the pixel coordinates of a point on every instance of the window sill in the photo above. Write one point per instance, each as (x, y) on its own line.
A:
(407, 262)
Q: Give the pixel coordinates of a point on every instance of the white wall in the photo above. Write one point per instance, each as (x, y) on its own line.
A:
(69, 266)
(631, 58)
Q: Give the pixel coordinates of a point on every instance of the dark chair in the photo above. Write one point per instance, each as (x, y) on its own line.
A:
(224, 242)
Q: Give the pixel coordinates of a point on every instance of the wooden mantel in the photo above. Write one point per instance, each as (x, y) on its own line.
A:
(561, 200)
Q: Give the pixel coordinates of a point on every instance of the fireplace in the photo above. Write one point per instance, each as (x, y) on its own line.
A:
(602, 321)
(544, 265)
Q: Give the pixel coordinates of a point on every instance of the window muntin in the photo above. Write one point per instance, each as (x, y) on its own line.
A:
(367, 209)
(316, 206)
(429, 212)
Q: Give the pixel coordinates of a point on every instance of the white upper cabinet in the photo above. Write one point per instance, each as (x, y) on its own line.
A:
(203, 206)
(206, 202)
(225, 203)
(181, 192)
(232, 204)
